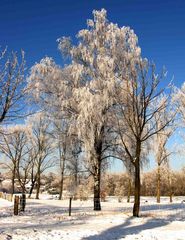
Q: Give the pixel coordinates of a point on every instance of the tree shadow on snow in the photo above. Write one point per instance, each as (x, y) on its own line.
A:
(128, 227)
(155, 215)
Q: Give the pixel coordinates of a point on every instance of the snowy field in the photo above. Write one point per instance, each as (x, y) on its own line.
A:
(48, 219)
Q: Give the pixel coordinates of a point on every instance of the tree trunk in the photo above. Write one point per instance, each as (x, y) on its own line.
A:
(62, 167)
(76, 172)
(61, 185)
(129, 190)
(31, 189)
(158, 184)
(38, 184)
(170, 185)
(97, 179)
(33, 180)
(98, 144)
(137, 183)
(23, 202)
(76, 183)
(23, 186)
(13, 179)
(171, 197)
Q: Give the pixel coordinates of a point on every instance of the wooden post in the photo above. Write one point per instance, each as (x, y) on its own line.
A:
(171, 197)
(16, 205)
(70, 202)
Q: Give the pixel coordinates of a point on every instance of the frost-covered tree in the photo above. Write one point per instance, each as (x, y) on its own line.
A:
(161, 151)
(53, 91)
(60, 134)
(85, 88)
(65, 146)
(179, 100)
(75, 164)
(99, 63)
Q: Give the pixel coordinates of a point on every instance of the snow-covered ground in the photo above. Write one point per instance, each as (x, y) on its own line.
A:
(48, 219)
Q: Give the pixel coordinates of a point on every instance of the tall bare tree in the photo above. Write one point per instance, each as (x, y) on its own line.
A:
(137, 114)
(12, 85)
(42, 147)
(13, 143)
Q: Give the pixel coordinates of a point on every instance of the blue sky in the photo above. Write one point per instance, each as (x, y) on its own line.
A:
(34, 25)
